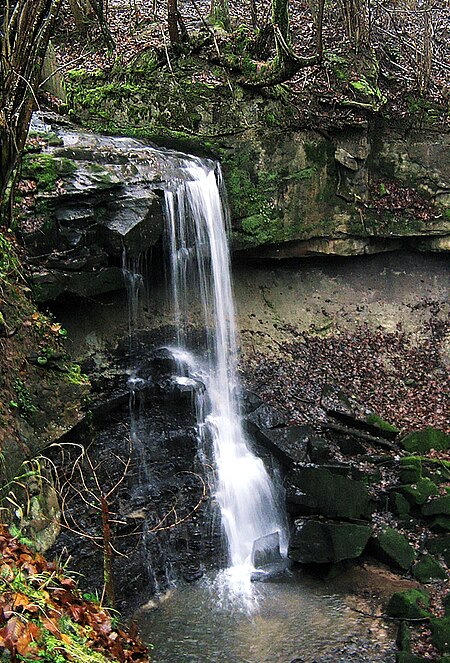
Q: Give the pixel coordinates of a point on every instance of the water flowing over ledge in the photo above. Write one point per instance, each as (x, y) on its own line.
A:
(201, 296)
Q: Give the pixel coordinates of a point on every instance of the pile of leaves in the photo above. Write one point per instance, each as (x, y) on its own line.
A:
(399, 376)
(44, 617)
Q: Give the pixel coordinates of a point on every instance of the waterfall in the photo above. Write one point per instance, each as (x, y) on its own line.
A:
(201, 292)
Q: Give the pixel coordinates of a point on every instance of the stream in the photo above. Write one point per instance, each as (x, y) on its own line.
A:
(299, 618)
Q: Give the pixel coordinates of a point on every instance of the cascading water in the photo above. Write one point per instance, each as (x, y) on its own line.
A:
(197, 217)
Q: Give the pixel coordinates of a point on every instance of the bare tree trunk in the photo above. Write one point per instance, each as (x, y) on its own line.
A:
(355, 14)
(254, 14)
(25, 31)
(108, 577)
(175, 24)
(426, 57)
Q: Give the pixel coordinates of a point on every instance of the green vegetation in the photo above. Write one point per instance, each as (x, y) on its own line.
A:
(375, 420)
(74, 374)
(423, 441)
(23, 398)
(409, 604)
(394, 548)
(45, 617)
(428, 568)
(440, 634)
(46, 169)
(9, 262)
(418, 493)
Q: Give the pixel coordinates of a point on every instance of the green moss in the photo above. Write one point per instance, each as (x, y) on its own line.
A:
(393, 548)
(409, 474)
(407, 657)
(440, 634)
(375, 420)
(428, 568)
(400, 505)
(418, 493)
(403, 638)
(303, 174)
(75, 376)
(424, 440)
(409, 604)
(46, 169)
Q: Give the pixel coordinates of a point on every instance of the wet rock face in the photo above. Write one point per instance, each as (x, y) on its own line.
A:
(94, 196)
(143, 456)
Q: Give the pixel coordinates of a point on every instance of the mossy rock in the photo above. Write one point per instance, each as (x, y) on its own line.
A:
(444, 659)
(318, 490)
(409, 604)
(418, 493)
(423, 441)
(428, 568)
(440, 634)
(393, 548)
(403, 638)
(440, 545)
(406, 657)
(382, 424)
(437, 470)
(46, 169)
(446, 604)
(416, 461)
(409, 474)
(322, 542)
(400, 505)
(437, 507)
(441, 523)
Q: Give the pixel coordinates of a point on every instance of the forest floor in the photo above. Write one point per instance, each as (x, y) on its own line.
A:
(410, 43)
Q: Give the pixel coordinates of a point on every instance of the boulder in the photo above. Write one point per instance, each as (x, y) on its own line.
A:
(440, 506)
(423, 441)
(393, 548)
(428, 568)
(440, 545)
(403, 639)
(317, 490)
(399, 504)
(418, 493)
(266, 417)
(409, 604)
(440, 634)
(289, 444)
(318, 450)
(319, 541)
(441, 523)
(410, 470)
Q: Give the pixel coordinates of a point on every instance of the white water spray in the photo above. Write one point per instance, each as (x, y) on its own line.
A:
(197, 217)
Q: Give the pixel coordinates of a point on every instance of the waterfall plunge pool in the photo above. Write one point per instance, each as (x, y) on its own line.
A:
(299, 618)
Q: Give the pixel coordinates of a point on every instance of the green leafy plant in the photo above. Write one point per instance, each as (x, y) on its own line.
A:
(23, 398)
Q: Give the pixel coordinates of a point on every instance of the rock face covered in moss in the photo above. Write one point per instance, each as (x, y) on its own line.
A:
(293, 192)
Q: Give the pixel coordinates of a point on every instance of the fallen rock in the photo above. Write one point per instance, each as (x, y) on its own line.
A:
(289, 444)
(428, 568)
(439, 506)
(440, 634)
(320, 542)
(423, 441)
(418, 493)
(317, 490)
(393, 548)
(409, 604)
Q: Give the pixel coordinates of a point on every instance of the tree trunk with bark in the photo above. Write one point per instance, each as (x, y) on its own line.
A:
(25, 29)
